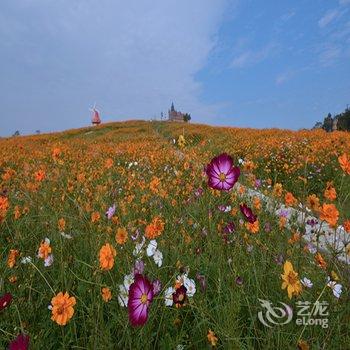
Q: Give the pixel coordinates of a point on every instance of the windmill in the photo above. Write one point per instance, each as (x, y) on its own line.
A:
(95, 119)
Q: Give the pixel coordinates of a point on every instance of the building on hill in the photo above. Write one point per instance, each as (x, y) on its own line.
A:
(174, 115)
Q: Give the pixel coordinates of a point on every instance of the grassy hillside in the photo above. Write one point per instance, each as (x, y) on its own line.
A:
(55, 237)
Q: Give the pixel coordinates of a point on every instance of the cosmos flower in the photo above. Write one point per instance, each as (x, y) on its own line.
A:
(44, 249)
(139, 267)
(5, 301)
(48, 261)
(212, 338)
(329, 213)
(157, 286)
(20, 343)
(140, 298)
(222, 175)
(168, 296)
(158, 258)
(247, 213)
(290, 280)
(106, 294)
(62, 308)
(110, 212)
(336, 288)
(306, 282)
(180, 296)
(107, 254)
(151, 248)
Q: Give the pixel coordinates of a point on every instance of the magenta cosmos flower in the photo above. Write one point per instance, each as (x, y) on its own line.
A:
(140, 297)
(20, 343)
(5, 301)
(248, 213)
(222, 175)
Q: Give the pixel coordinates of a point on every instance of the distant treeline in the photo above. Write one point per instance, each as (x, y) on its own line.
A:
(340, 121)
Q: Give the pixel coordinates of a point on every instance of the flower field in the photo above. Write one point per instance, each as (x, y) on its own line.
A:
(142, 235)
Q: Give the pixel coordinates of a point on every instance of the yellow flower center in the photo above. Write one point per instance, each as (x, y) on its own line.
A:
(222, 177)
(143, 298)
(181, 297)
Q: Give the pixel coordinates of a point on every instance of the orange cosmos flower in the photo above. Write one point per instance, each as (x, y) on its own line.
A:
(107, 254)
(320, 261)
(62, 308)
(155, 228)
(346, 226)
(313, 202)
(11, 260)
(17, 212)
(44, 249)
(95, 216)
(330, 192)
(295, 238)
(257, 203)
(106, 294)
(56, 152)
(277, 189)
(121, 236)
(39, 175)
(344, 163)
(154, 184)
(253, 227)
(4, 203)
(212, 338)
(61, 224)
(289, 199)
(329, 213)
(109, 163)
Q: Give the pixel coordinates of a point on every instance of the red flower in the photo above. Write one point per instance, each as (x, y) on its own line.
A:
(222, 175)
(248, 214)
(5, 301)
(179, 296)
(20, 343)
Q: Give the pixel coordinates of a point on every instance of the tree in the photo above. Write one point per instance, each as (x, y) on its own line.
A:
(187, 117)
(344, 120)
(16, 133)
(328, 123)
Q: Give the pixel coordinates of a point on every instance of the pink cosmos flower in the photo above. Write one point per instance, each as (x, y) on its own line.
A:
(222, 175)
(140, 297)
(248, 214)
(110, 212)
(5, 301)
(20, 343)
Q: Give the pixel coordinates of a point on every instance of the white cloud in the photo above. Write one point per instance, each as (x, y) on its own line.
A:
(251, 57)
(328, 18)
(329, 54)
(133, 58)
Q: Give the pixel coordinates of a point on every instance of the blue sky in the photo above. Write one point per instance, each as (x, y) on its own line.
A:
(246, 63)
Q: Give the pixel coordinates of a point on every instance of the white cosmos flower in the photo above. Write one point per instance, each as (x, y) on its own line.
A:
(47, 241)
(306, 282)
(123, 296)
(336, 288)
(26, 260)
(66, 235)
(152, 247)
(48, 261)
(128, 281)
(190, 286)
(158, 258)
(168, 295)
